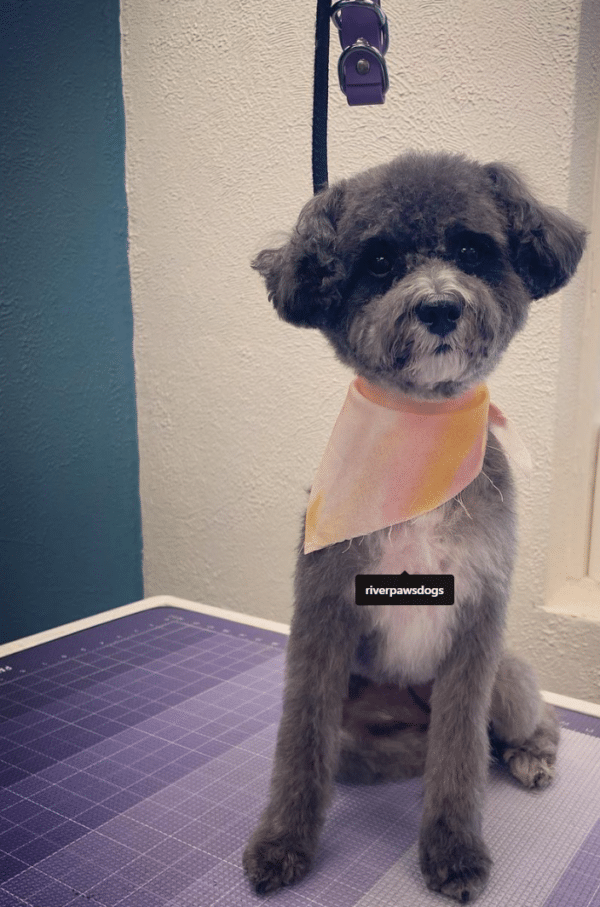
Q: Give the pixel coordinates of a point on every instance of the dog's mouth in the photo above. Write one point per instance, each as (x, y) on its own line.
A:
(443, 363)
(441, 356)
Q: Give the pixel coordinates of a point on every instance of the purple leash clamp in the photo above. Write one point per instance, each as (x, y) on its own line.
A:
(364, 36)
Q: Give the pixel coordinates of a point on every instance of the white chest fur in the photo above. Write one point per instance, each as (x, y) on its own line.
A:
(417, 637)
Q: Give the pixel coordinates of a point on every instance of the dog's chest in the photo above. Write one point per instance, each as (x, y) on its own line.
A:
(415, 638)
(419, 546)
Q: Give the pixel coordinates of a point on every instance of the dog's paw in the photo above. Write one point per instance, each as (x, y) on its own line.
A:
(533, 770)
(453, 864)
(271, 862)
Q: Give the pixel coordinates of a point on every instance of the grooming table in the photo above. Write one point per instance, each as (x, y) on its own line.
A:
(135, 757)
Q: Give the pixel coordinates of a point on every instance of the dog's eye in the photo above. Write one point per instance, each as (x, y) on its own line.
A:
(379, 265)
(379, 260)
(474, 253)
(470, 255)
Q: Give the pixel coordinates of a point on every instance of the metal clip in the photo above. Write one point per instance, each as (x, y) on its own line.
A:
(336, 15)
(366, 51)
(364, 36)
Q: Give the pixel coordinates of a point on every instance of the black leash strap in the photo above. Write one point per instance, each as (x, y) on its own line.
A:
(320, 97)
(362, 71)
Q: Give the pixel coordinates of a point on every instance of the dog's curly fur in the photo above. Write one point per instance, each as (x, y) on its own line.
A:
(419, 273)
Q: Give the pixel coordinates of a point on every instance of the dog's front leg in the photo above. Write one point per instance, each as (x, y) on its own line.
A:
(454, 858)
(318, 664)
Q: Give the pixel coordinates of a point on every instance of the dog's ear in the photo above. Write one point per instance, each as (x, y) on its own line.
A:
(545, 244)
(304, 277)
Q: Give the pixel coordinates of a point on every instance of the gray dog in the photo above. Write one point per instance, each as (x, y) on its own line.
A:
(419, 273)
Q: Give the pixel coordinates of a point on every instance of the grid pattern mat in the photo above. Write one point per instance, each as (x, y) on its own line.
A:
(135, 759)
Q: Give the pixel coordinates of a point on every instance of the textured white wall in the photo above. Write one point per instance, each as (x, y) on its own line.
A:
(235, 406)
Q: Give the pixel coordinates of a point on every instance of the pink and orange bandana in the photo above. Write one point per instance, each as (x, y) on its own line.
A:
(391, 458)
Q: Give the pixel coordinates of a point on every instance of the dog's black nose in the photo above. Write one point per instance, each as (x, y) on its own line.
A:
(439, 317)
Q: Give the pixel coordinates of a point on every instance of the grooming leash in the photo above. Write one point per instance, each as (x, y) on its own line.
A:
(363, 76)
(364, 36)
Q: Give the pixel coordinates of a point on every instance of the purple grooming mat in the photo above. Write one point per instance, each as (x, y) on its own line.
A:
(135, 759)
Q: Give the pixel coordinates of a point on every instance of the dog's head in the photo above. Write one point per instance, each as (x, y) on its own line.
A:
(419, 272)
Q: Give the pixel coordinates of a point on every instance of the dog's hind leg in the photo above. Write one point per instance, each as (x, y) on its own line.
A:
(524, 729)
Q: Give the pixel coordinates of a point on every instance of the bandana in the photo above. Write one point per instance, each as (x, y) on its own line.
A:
(391, 458)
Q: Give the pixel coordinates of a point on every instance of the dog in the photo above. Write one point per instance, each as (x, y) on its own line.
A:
(418, 272)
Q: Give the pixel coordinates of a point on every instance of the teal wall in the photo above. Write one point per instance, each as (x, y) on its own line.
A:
(70, 525)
